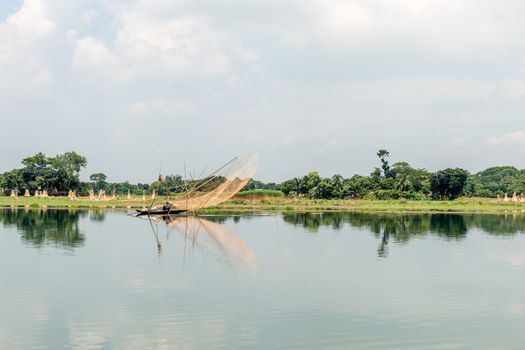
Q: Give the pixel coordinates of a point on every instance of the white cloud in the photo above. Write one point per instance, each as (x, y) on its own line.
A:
(362, 72)
(23, 36)
(458, 141)
(43, 78)
(32, 19)
(514, 88)
(90, 16)
(449, 28)
(146, 48)
(160, 108)
(515, 137)
(93, 56)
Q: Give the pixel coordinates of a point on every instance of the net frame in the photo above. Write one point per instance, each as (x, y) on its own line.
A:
(225, 183)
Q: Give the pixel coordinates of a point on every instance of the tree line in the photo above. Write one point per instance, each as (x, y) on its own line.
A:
(59, 174)
(402, 181)
(399, 180)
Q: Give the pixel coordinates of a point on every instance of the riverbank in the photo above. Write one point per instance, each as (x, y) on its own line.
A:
(462, 205)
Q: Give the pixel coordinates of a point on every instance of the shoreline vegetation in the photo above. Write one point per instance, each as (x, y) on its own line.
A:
(284, 204)
(54, 182)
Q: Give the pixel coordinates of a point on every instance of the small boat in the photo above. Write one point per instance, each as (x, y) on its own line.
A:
(152, 212)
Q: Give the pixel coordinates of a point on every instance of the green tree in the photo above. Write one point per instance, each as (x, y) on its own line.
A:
(448, 183)
(323, 190)
(310, 182)
(66, 170)
(99, 181)
(338, 188)
(358, 186)
(518, 185)
(12, 180)
(473, 187)
(383, 154)
(498, 179)
(292, 186)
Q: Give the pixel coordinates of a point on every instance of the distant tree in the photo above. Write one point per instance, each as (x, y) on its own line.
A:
(12, 180)
(38, 161)
(259, 185)
(99, 181)
(383, 154)
(498, 179)
(358, 186)
(473, 187)
(448, 183)
(338, 188)
(98, 177)
(323, 190)
(67, 168)
(310, 182)
(292, 186)
(37, 172)
(518, 184)
(408, 179)
(59, 173)
(375, 178)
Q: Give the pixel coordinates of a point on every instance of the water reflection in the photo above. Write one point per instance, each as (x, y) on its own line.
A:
(210, 238)
(317, 287)
(400, 228)
(41, 227)
(61, 228)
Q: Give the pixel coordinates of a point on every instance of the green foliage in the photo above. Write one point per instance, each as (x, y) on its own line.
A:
(358, 186)
(396, 194)
(315, 187)
(398, 181)
(260, 193)
(258, 185)
(383, 154)
(56, 174)
(448, 183)
(99, 181)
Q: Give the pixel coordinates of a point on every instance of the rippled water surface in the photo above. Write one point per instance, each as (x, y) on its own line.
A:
(105, 280)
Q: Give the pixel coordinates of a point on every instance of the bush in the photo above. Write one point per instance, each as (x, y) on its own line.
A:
(260, 193)
(395, 194)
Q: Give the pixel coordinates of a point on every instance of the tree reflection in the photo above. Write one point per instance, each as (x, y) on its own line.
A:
(46, 226)
(451, 226)
(400, 228)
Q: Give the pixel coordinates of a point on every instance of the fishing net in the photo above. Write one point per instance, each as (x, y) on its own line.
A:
(216, 240)
(219, 186)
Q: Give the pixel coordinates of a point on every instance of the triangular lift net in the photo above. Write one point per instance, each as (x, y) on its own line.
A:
(219, 186)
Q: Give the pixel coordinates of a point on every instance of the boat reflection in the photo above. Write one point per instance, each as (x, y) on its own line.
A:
(210, 238)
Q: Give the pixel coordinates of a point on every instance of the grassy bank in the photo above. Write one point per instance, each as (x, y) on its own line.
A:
(464, 205)
(254, 203)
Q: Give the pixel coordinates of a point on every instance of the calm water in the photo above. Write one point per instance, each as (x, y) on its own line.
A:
(95, 280)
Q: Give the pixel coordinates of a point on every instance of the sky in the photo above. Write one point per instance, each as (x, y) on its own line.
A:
(310, 84)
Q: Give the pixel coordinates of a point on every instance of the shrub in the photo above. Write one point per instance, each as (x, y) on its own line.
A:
(260, 193)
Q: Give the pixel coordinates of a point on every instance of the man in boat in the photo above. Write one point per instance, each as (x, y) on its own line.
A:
(168, 206)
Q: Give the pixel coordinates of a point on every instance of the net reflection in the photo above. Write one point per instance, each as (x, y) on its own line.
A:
(210, 238)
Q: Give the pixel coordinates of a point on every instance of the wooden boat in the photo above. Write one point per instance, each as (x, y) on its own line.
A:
(152, 212)
(165, 209)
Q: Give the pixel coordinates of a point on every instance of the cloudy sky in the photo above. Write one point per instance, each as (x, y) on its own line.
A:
(311, 84)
